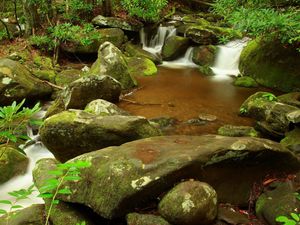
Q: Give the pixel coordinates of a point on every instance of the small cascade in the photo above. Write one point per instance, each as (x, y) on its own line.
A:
(227, 61)
(156, 42)
(185, 61)
(34, 152)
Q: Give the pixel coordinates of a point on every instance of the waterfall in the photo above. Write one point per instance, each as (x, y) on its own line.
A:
(184, 61)
(227, 60)
(156, 42)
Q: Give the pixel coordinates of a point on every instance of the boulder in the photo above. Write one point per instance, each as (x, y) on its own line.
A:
(74, 132)
(271, 114)
(271, 64)
(174, 47)
(292, 98)
(294, 116)
(204, 55)
(112, 62)
(245, 81)
(237, 131)
(101, 107)
(113, 35)
(228, 214)
(141, 67)
(18, 83)
(123, 178)
(66, 77)
(116, 22)
(49, 75)
(136, 51)
(145, 219)
(84, 90)
(292, 140)
(12, 163)
(33, 215)
(201, 35)
(277, 199)
(188, 203)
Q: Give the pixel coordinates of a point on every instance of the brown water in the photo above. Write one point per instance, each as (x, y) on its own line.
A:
(184, 94)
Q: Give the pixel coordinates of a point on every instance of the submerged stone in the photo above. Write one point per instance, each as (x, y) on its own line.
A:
(123, 178)
(245, 82)
(188, 203)
(237, 131)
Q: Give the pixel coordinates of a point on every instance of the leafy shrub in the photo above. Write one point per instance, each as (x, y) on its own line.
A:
(14, 120)
(148, 10)
(42, 42)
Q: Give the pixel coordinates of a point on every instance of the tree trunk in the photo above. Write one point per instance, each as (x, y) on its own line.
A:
(106, 7)
(32, 17)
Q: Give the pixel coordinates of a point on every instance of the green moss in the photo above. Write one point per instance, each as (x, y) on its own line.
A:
(42, 62)
(141, 67)
(271, 64)
(174, 47)
(206, 70)
(48, 75)
(245, 82)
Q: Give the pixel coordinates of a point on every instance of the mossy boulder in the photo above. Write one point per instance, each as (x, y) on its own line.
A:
(294, 116)
(277, 199)
(18, 83)
(201, 35)
(114, 35)
(101, 107)
(12, 163)
(204, 55)
(145, 219)
(245, 81)
(123, 178)
(66, 77)
(33, 215)
(42, 62)
(174, 47)
(136, 51)
(237, 131)
(292, 98)
(141, 66)
(270, 114)
(188, 203)
(271, 64)
(116, 22)
(112, 62)
(84, 90)
(49, 75)
(206, 70)
(292, 140)
(74, 132)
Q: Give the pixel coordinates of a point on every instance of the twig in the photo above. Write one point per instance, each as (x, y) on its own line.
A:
(139, 103)
(53, 85)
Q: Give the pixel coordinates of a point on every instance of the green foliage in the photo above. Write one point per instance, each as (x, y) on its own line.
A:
(270, 97)
(294, 217)
(262, 18)
(77, 9)
(3, 35)
(148, 10)
(42, 42)
(243, 110)
(18, 195)
(54, 185)
(13, 121)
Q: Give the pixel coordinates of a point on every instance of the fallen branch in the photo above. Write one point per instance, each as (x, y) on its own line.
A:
(139, 103)
(53, 85)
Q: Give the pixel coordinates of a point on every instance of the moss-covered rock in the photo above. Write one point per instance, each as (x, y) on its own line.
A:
(141, 66)
(237, 131)
(12, 163)
(112, 62)
(49, 75)
(278, 199)
(294, 116)
(101, 107)
(292, 140)
(271, 64)
(136, 51)
(174, 47)
(123, 178)
(245, 81)
(91, 132)
(17, 83)
(42, 62)
(33, 215)
(188, 203)
(66, 77)
(84, 90)
(114, 35)
(116, 22)
(292, 98)
(206, 70)
(145, 219)
(204, 55)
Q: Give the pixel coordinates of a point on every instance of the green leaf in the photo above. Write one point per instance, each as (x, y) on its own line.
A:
(53, 182)
(55, 201)
(17, 207)
(295, 216)
(7, 202)
(65, 191)
(45, 195)
(72, 178)
(56, 172)
(2, 211)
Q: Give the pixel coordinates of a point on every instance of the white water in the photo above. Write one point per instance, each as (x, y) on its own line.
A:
(185, 61)
(34, 153)
(227, 60)
(155, 44)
